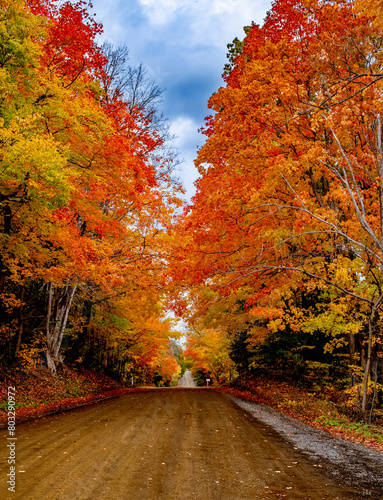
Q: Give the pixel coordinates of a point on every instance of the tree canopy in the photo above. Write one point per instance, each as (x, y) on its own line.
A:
(289, 199)
(277, 262)
(86, 195)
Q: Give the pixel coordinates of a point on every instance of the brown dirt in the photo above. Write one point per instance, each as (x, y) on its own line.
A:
(164, 444)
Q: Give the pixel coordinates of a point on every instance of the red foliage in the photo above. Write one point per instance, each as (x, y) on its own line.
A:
(70, 48)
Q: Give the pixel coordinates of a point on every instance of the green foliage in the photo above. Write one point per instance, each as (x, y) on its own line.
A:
(360, 428)
(240, 352)
(200, 376)
(235, 49)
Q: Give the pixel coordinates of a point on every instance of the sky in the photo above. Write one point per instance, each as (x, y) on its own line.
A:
(183, 46)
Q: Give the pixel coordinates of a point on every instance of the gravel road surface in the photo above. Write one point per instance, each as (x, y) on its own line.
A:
(350, 463)
(165, 444)
(186, 380)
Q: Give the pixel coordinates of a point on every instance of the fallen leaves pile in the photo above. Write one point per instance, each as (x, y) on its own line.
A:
(39, 392)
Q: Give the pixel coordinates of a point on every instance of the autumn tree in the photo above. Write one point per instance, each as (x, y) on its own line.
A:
(209, 350)
(87, 191)
(141, 94)
(290, 187)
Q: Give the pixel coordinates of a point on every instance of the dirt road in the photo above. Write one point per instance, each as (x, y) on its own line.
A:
(187, 380)
(164, 444)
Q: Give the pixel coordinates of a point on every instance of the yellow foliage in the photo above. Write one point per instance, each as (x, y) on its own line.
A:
(209, 350)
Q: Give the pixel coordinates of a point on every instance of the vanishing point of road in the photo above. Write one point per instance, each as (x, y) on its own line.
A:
(160, 444)
(186, 380)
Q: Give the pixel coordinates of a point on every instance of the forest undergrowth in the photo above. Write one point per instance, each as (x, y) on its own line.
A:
(38, 392)
(325, 409)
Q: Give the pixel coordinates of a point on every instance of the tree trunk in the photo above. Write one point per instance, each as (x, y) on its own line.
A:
(367, 370)
(21, 322)
(371, 319)
(375, 374)
(56, 331)
(351, 350)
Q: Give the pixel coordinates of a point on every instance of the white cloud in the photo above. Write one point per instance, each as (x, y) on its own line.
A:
(182, 43)
(210, 21)
(187, 140)
(219, 21)
(185, 130)
(162, 12)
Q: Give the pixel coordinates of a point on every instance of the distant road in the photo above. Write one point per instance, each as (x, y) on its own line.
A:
(187, 380)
